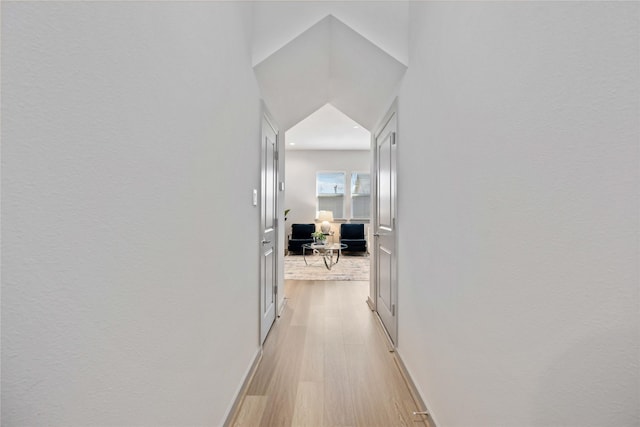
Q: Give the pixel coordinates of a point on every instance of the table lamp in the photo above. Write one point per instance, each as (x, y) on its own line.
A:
(326, 217)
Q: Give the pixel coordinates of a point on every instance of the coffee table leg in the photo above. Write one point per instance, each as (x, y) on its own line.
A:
(329, 254)
(304, 256)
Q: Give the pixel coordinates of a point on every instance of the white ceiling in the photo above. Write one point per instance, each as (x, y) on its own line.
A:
(329, 63)
(328, 129)
(276, 23)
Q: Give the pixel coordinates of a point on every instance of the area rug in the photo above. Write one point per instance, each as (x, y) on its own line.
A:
(348, 268)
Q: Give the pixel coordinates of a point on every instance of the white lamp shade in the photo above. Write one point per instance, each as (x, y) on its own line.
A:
(325, 216)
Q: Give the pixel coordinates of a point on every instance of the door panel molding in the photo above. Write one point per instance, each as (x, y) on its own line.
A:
(385, 271)
(268, 224)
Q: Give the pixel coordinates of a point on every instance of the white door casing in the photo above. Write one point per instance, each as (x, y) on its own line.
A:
(385, 216)
(268, 226)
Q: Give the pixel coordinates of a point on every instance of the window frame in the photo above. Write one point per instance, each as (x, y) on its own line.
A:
(355, 195)
(344, 173)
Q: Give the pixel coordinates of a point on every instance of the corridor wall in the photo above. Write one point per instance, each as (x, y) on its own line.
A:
(129, 153)
(518, 160)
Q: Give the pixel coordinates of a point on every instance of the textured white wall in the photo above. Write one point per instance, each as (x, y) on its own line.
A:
(518, 157)
(130, 267)
(300, 178)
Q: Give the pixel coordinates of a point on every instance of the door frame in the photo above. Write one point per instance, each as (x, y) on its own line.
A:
(373, 284)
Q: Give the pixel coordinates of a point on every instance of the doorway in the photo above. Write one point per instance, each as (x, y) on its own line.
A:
(328, 177)
(315, 69)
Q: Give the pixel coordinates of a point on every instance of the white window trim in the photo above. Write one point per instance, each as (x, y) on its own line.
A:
(347, 192)
(351, 196)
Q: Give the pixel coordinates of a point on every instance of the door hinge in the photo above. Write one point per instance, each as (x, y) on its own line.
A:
(275, 291)
(393, 309)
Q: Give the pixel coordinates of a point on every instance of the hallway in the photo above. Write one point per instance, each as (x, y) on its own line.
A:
(132, 200)
(326, 363)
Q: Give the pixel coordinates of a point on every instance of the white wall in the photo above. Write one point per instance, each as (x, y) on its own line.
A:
(300, 179)
(518, 157)
(129, 293)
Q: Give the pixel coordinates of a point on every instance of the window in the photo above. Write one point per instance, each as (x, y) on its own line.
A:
(330, 192)
(360, 195)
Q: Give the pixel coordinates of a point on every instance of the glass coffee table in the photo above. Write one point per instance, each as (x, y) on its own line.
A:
(326, 251)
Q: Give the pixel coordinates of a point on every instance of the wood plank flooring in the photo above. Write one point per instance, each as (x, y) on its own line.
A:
(326, 363)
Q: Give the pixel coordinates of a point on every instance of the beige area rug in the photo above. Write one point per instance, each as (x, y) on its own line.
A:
(348, 268)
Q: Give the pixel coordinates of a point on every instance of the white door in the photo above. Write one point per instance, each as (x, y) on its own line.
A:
(385, 273)
(268, 227)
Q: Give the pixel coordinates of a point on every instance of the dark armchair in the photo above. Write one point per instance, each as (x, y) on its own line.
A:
(353, 236)
(300, 234)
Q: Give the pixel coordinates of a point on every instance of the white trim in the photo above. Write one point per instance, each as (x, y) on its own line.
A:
(231, 412)
(416, 391)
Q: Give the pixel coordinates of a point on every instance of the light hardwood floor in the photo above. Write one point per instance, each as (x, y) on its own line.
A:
(326, 363)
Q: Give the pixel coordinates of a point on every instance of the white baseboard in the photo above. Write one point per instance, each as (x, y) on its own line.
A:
(371, 304)
(416, 393)
(240, 392)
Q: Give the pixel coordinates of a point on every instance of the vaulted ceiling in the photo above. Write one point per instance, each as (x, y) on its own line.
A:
(328, 129)
(328, 63)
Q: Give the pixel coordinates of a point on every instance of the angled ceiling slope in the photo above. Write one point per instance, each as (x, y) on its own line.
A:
(328, 63)
(328, 129)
